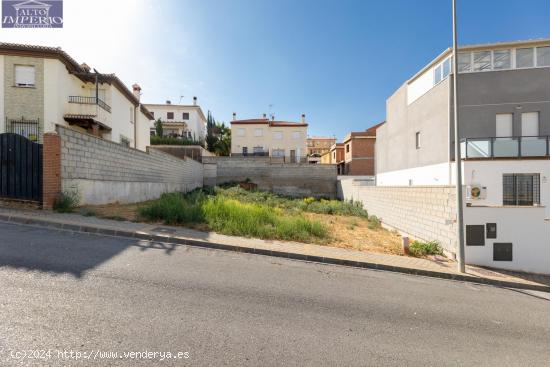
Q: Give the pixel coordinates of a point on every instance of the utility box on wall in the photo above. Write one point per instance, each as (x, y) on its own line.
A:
(476, 192)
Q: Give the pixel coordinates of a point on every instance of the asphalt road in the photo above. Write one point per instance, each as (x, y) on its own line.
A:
(91, 295)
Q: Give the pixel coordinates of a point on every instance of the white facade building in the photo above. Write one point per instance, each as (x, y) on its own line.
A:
(186, 121)
(43, 86)
(504, 127)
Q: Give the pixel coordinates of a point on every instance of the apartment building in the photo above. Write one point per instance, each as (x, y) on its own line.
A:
(178, 120)
(359, 157)
(504, 124)
(317, 146)
(44, 86)
(269, 137)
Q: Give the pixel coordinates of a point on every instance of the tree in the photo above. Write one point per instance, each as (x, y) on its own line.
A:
(223, 143)
(158, 127)
(211, 138)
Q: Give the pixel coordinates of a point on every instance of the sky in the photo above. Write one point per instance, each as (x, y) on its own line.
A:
(335, 61)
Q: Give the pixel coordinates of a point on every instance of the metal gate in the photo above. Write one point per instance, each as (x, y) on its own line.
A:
(20, 168)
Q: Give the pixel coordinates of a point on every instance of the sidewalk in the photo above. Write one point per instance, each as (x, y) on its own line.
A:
(330, 255)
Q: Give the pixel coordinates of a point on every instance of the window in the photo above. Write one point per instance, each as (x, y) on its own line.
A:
(464, 62)
(258, 132)
(257, 150)
(185, 116)
(131, 115)
(502, 59)
(543, 56)
(417, 139)
(334, 155)
(24, 76)
(347, 148)
(245, 150)
(482, 60)
(170, 115)
(296, 135)
(278, 135)
(446, 68)
(521, 189)
(240, 132)
(525, 58)
(437, 74)
(530, 124)
(504, 125)
(278, 153)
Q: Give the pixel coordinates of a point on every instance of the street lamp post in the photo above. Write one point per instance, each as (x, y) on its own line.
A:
(458, 160)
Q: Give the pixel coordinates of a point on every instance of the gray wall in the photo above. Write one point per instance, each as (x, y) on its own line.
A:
(483, 95)
(105, 172)
(395, 140)
(420, 212)
(299, 180)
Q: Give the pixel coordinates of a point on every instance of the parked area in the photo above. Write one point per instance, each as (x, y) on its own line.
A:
(233, 210)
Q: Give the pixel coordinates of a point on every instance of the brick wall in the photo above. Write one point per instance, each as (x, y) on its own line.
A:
(51, 169)
(289, 179)
(421, 212)
(103, 171)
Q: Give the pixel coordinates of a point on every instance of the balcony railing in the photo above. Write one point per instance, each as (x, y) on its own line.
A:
(90, 100)
(512, 147)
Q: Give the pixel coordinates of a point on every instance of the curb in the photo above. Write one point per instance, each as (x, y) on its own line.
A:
(72, 227)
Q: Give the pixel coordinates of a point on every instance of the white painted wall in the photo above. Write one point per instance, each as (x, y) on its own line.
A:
(121, 111)
(420, 86)
(437, 174)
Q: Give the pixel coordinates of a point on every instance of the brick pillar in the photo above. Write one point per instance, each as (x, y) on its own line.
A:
(51, 169)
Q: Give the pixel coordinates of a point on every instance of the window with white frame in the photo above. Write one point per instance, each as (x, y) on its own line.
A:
(240, 131)
(502, 59)
(24, 76)
(442, 71)
(482, 61)
(543, 56)
(464, 62)
(278, 153)
(296, 135)
(258, 132)
(525, 57)
(277, 135)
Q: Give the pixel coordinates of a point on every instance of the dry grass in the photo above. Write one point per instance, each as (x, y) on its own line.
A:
(345, 231)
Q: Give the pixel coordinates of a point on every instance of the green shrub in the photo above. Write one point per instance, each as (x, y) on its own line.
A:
(88, 212)
(374, 222)
(420, 249)
(170, 140)
(175, 208)
(66, 201)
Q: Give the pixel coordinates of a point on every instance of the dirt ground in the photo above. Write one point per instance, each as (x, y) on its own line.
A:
(345, 231)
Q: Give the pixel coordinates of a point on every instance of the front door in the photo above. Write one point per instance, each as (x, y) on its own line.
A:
(292, 156)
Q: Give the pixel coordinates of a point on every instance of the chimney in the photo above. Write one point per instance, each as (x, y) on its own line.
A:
(303, 118)
(273, 117)
(234, 116)
(136, 89)
(85, 67)
(168, 102)
(194, 101)
(265, 116)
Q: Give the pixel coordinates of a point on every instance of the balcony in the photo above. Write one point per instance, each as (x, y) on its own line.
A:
(512, 147)
(88, 111)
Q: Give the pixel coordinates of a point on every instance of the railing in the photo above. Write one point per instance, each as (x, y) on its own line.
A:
(90, 100)
(512, 147)
(30, 129)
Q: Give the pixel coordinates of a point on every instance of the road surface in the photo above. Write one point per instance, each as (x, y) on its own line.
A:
(75, 299)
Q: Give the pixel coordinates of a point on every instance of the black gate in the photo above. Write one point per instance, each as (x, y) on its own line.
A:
(20, 168)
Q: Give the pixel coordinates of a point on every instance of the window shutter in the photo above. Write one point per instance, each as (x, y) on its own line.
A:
(24, 75)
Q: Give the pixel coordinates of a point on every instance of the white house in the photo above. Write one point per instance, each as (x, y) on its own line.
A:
(185, 121)
(43, 86)
(504, 129)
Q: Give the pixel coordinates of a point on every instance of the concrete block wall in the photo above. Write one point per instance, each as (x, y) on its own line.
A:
(425, 213)
(298, 180)
(105, 172)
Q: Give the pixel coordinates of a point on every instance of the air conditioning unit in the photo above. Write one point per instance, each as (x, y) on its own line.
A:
(476, 192)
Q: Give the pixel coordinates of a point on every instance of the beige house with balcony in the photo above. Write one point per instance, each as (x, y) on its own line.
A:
(179, 120)
(41, 87)
(265, 137)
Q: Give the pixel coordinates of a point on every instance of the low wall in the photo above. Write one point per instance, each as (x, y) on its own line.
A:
(421, 212)
(105, 172)
(298, 180)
